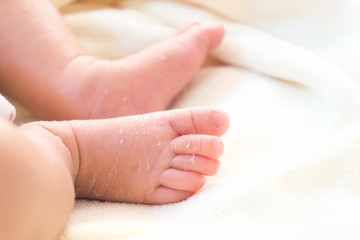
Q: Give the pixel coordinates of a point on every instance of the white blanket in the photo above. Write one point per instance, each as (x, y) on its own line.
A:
(288, 75)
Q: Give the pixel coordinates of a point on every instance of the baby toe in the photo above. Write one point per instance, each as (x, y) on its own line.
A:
(162, 195)
(202, 36)
(204, 145)
(199, 121)
(182, 180)
(195, 163)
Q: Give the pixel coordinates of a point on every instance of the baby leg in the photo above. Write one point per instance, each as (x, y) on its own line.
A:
(141, 83)
(63, 82)
(36, 187)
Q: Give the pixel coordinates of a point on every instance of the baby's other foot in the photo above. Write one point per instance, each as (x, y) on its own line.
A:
(141, 83)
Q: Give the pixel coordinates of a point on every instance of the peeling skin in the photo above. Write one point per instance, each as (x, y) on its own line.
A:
(57, 138)
(192, 159)
(147, 153)
(121, 192)
(139, 167)
(194, 150)
(143, 124)
(152, 189)
(115, 166)
(146, 117)
(93, 181)
(144, 144)
(96, 193)
(147, 165)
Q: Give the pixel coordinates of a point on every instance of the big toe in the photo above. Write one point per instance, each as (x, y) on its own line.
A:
(203, 36)
(199, 121)
(194, 41)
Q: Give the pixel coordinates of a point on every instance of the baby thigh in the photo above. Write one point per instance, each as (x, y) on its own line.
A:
(36, 189)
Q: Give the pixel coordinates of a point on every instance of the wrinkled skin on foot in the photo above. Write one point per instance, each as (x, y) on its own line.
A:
(155, 158)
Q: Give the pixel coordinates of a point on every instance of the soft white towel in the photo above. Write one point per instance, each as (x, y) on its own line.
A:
(290, 82)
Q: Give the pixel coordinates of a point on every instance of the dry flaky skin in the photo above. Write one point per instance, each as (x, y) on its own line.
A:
(154, 159)
(44, 164)
(73, 85)
(256, 189)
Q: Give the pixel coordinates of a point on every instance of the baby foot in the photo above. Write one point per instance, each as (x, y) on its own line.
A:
(141, 83)
(154, 158)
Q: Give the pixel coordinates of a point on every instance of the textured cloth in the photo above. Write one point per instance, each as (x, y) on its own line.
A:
(288, 74)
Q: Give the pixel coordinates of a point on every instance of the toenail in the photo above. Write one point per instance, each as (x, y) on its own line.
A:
(219, 119)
